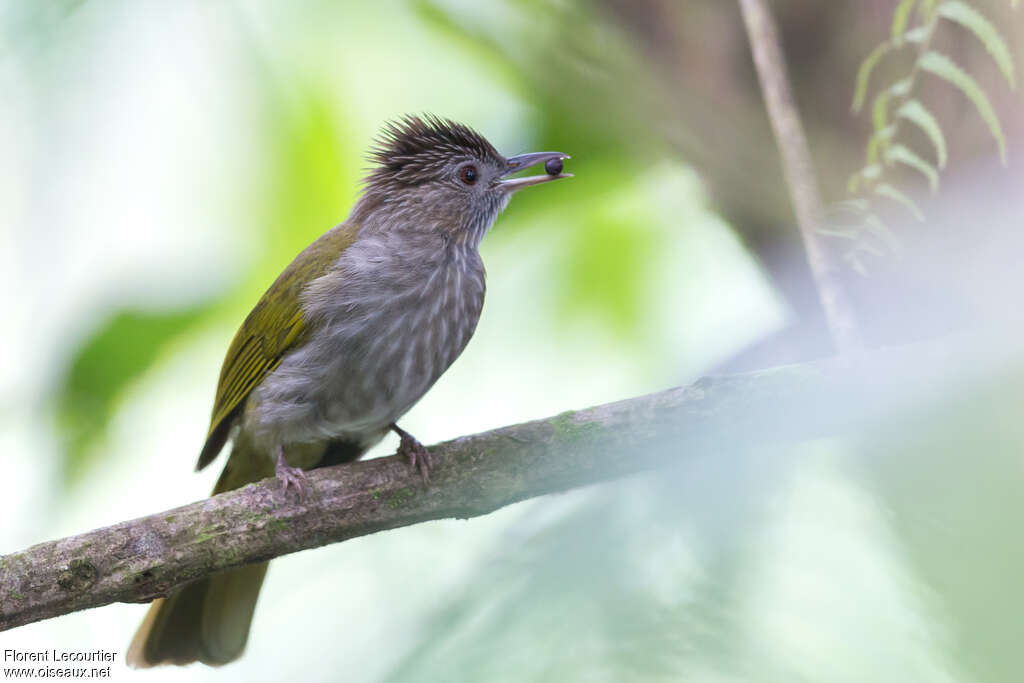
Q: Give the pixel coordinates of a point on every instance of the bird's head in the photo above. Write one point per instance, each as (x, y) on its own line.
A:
(434, 174)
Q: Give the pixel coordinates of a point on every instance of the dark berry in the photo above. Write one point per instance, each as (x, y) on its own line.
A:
(553, 166)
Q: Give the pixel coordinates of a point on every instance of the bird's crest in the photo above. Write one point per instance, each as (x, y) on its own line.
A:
(409, 149)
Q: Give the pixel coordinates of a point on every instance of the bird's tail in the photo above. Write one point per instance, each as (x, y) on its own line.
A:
(206, 621)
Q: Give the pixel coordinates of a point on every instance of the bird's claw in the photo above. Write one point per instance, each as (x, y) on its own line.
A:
(416, 453)
(290, 476)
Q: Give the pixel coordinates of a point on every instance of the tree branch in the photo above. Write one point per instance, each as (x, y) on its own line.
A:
(798, 169)
(145, 558)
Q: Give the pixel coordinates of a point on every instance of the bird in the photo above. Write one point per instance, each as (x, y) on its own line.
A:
(343, 343)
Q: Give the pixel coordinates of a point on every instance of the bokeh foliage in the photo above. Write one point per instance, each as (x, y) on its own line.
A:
(890, 557)
(312, 169)
(117, 354)
(304, 193)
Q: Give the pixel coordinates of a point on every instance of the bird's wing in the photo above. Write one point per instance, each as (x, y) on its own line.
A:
(275, 326)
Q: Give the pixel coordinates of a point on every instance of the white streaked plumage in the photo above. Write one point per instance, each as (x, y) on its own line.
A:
(400, 332)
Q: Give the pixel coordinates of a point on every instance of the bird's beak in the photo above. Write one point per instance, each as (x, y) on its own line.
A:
(524, 161)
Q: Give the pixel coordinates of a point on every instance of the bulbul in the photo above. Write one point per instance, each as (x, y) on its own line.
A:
(346, 340)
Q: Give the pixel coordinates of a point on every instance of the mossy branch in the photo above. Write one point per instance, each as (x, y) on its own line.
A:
(145, 558)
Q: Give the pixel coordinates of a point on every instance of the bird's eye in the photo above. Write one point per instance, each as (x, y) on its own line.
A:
(468, 174)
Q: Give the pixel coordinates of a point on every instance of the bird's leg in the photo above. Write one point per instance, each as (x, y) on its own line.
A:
(417, 453)
(289, 476)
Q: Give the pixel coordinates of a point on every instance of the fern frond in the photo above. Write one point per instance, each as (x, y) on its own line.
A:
(841, 233)
(974, 21)
(901, 154)
(919, 35)
(900, 18)
(865, 176)
(880, 140)
(880, 230)
(927, 9)
(914, 24)
(857, 206)
(920, 116)
(864, 74)
(943, 67)
(880, 110)
(887, 190)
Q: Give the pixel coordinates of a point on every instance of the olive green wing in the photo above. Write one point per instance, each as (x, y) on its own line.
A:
(274, 327)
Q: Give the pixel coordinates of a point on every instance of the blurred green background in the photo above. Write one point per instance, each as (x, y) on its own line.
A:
(163, 161)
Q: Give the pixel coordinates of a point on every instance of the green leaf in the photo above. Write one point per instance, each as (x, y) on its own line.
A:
(974, 21)
(899, 19)
(481, 45)
(876, 227)
(880, 110)
(103, 367)
(857, 206)
(918, 35)
(604, 264)
(880, 139)
(864, 74)
(890, 192)
(901, 154)
(866, 175)
(310, 167)
(944, 68)
(918, 114)
(871, 172)
(862, 219)
(901, 88)
(927, 9)
(841, 233)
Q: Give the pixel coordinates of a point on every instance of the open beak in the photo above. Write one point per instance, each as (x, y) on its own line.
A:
(523, 161)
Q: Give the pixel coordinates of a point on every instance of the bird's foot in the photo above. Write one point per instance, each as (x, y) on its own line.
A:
(416, 453)
(290, 476)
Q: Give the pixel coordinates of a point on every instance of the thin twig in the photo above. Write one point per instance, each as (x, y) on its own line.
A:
(798, 170)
